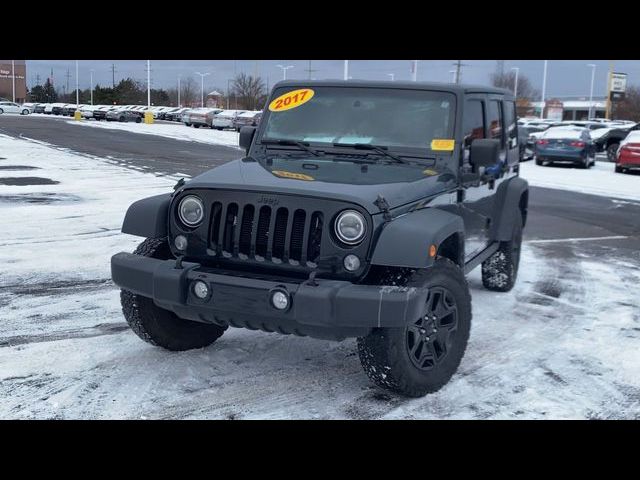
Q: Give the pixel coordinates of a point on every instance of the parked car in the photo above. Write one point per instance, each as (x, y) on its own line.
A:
(176, 115)
(69, 109)
(11, 107)
(87, 111)
(30, 106)
(123, 115)
(225, 119)
(566, 144)
(39, 107)
(610, 141)
(202, 117)
(527, 141)
(100, 113)
(56, 108)
(247, 119)
(628, 155)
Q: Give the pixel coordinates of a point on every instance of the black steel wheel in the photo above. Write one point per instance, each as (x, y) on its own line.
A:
(430, 337)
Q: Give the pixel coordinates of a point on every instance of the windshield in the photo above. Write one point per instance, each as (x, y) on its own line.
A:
(351, 115)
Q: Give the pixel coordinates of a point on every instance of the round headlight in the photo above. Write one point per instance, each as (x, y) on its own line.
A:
(191, 211)
(350, 227)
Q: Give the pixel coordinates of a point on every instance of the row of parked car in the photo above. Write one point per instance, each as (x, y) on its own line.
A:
(578, 142)
(215, 118)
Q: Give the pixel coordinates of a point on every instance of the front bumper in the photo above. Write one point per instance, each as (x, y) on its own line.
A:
(329, 309)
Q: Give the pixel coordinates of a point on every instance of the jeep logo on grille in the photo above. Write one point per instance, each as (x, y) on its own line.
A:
(269, 200)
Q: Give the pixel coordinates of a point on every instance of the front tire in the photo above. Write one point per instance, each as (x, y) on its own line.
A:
(500, 270)
(421, 357)
(161, 327)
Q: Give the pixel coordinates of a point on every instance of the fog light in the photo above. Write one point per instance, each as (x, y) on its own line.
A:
(181, 242)
(351, 263)
(280, 300)
(200, 289)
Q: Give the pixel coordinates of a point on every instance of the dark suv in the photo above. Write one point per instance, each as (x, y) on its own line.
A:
(356, 212)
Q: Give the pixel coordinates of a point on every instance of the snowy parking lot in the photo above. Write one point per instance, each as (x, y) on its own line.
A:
(562, 344)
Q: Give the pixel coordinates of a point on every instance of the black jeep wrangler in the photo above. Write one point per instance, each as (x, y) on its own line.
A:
(356, 212)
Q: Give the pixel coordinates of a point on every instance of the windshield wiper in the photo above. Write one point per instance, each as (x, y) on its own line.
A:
(382, 150)
(292, 143)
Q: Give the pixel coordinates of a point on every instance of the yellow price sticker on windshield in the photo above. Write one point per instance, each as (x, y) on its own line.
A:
(290, 100)
(295, 176)
(443, 145)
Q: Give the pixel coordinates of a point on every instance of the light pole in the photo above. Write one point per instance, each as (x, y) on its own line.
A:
(544, 88)
(77, 87)
(202, 75)
(593, 75)
(414, 71)
(453, 75)
(392, 76)
(515, 86)
(346, 70)
(148, 83)
(179, 75)
(284, 70)
(228, 93)
(13, 79)
(91, 81)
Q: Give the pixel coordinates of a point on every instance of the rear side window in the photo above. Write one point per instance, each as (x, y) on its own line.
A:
(473, 123)
(495, 120)
(510, 122)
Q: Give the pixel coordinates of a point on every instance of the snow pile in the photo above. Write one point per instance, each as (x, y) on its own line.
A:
(601, 179)
(176, 131)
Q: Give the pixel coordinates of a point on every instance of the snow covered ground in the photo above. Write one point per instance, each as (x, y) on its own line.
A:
(177, 131)
(562, 344)
(600, 179)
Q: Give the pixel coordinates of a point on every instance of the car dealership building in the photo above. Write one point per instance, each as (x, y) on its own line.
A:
(6, 80)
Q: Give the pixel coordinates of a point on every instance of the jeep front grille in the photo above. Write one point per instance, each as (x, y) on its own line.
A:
(275, 234)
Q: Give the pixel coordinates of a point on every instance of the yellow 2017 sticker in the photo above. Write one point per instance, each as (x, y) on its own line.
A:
(290, 100)
(295, 176)
(441, 144)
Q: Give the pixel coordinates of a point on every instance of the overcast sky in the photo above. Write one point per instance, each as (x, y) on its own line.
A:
(565, 77)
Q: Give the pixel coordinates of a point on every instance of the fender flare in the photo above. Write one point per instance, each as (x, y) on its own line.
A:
(148, 217)
(507, 208)
(405, 241)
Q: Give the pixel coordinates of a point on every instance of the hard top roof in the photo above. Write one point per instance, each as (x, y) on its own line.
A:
(445, 87)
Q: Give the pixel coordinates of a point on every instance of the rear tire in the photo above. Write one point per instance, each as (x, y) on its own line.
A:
(612, 151)
(500, 270)
(421, 357)
(539, 161)
(619, 169)
(161, 327)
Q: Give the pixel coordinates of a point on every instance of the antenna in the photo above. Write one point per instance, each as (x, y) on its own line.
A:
(113, 75)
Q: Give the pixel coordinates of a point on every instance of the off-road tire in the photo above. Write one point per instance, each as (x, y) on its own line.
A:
(500, 270)
(384, 353)
(161, 327)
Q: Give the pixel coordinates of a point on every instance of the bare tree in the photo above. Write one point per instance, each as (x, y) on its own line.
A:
(189, 93)
(526, 92)
(629, 108)
(250, 91)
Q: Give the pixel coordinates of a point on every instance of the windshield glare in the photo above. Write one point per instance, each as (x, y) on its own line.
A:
(378, 116)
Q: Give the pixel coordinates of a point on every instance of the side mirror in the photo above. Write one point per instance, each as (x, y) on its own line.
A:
(246, 137)
(484, 152)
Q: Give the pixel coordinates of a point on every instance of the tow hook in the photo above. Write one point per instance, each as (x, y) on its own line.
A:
(311, 281)
(178, 265)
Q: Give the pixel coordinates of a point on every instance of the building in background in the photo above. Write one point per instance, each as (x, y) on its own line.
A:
(572, 108)
(6, 80)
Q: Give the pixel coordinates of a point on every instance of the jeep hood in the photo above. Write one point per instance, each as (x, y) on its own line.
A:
(324, 178)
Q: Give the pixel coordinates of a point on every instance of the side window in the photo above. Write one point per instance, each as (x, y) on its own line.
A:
(510, 122)
(473, 123)
(495, 120)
